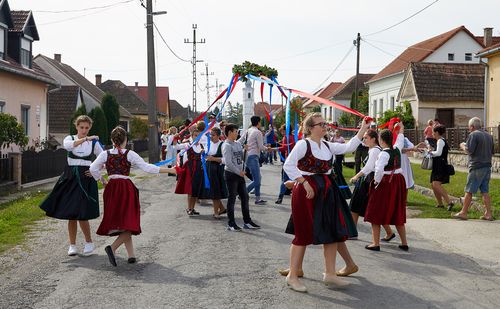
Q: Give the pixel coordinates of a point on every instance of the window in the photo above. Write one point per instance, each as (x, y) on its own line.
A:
(25, 53)
(2, 43)
(381, 107)
(2, 106)
(468, 56)
(451, 57)
(25, 117)
(393, 101)
(331, 113)
(249, 95)
(374, 108)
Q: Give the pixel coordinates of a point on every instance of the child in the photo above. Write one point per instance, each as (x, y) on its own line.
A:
(387, 199)
(121, 197)
(234, 174)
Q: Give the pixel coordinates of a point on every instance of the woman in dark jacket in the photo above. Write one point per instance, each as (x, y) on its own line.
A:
(439, 174)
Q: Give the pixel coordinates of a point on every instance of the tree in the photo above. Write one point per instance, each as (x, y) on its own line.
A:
(248, 67)
(235, 114)
(111, 110)
(176, 122)
(403, 112)
(138, 128)
(82, 110)
(11, 132)
(100, 126)
(351, 120)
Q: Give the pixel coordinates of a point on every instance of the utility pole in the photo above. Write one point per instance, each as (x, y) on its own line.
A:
(356, 43)
(208, 83)
(153, 150)
(194, 61)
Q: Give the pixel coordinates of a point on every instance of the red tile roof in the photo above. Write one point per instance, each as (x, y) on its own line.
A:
(61, 106)
(418, 52)
(162, 97)
(487, 49)
(260, 108)
(323, 93)
(494, 40)
(37, 73)
(344, 92)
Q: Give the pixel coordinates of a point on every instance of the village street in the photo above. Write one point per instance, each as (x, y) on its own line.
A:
(193, 262)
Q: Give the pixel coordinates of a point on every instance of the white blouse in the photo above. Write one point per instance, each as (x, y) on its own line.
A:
(372, 158)
(319, 151)
(382, 161)
(82, 150)
(132, 157)
(439, 150)
(197, 148)
(213, 148)
(400, 142)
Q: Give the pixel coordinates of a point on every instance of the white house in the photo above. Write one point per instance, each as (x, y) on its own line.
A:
(455, 46)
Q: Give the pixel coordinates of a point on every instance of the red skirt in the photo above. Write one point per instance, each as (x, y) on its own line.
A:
(387, 203)
(321, 220)
(121, 208)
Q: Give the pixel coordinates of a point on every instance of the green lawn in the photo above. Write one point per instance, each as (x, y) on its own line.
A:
(17, 218)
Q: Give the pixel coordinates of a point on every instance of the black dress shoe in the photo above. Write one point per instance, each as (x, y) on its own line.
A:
(390, 238)
(131, 260)
(404, 247)
(279, 200)
(111, 255)
(373, 248)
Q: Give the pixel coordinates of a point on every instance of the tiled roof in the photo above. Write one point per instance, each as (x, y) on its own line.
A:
(344, 92)
(76, 77)
(323, 93)
(445, 82)
(494, 40)
(19, 19)
(36, 73)
(61, 106)
(125, 97)
(162, 96)
(260, 108)
(487, 49)
(176, 110)
(418, 52)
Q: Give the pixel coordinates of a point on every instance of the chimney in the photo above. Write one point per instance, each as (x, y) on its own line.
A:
(136, 89)
(488, 32)
(57, 57)
(98, 79)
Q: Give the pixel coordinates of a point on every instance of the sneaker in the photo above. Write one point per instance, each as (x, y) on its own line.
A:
(233, 228)
(251, 226)
(260, 202)
(72, 251)
(279, 200)
(194, 212)
(189, 212)
(88, 249)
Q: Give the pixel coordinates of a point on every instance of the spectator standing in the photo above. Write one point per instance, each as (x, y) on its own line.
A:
(255, 145)
(439, 174)
(428, 136)
(479, 147)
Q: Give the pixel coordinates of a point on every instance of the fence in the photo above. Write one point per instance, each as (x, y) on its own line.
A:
(42, 165)
(6, 169)
(454, 136)
(139, 145)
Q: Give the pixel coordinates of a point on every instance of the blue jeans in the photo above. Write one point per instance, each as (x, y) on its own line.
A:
(478, 178)
(254, 167)
(284, 178)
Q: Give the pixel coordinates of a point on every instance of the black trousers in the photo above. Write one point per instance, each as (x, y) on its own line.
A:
(360, 156)
(236, 186)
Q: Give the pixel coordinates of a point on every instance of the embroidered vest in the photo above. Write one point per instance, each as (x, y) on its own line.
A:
(117, 164)
(309, 163)
(394, 159)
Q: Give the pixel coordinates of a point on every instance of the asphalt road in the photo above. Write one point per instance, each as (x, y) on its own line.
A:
(193, 262)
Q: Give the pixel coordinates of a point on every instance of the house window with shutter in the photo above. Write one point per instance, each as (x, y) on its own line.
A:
(393, 102)
(451, 57)
(2, 106)
(468, 56)
(25, 53)
(2, 43)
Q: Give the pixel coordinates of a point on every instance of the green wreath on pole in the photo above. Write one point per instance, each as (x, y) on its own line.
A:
(248, 67)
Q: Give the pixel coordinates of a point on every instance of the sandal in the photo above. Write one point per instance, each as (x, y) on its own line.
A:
(486, 218)
(459, 216)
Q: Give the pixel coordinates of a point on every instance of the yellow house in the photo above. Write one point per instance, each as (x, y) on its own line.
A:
(491, 57)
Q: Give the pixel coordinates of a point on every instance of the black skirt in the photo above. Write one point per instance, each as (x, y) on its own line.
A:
(218, 188)
(341, 183)
(439, 171)
(359, 198)
(74, 196)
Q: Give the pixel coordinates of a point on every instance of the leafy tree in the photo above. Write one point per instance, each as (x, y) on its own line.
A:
(82, 110)
(176, 122)
(138, 128)
(111, 110)
(403, 112)
(248, 67)
(11, 132)
(351, 120)
(235, 114)
(316, 109)
(100, 126)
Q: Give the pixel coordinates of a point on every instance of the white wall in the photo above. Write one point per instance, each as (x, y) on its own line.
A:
(459, 45)
(383, 89)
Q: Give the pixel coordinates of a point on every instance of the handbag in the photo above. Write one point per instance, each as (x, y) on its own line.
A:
(450, 170)
(426, 163)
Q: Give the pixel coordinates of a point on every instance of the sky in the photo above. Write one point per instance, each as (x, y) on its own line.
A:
(310, 43)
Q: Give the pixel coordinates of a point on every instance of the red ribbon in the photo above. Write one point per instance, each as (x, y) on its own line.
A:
(328, 102)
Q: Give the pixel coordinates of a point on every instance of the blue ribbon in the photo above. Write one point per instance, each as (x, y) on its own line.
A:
(204, 163)
(281, 156)
(258, 79)
(270, 106)
(296, 127)
(287, 120)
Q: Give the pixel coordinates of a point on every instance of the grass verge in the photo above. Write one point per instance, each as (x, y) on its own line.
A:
(17, 218)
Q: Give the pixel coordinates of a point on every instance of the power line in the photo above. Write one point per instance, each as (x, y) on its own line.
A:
(310, 51)
(86, 9)
(335, 69)
(171, 50)
(401, 45)
(384, 51)
(409, 17)
(75, 17)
